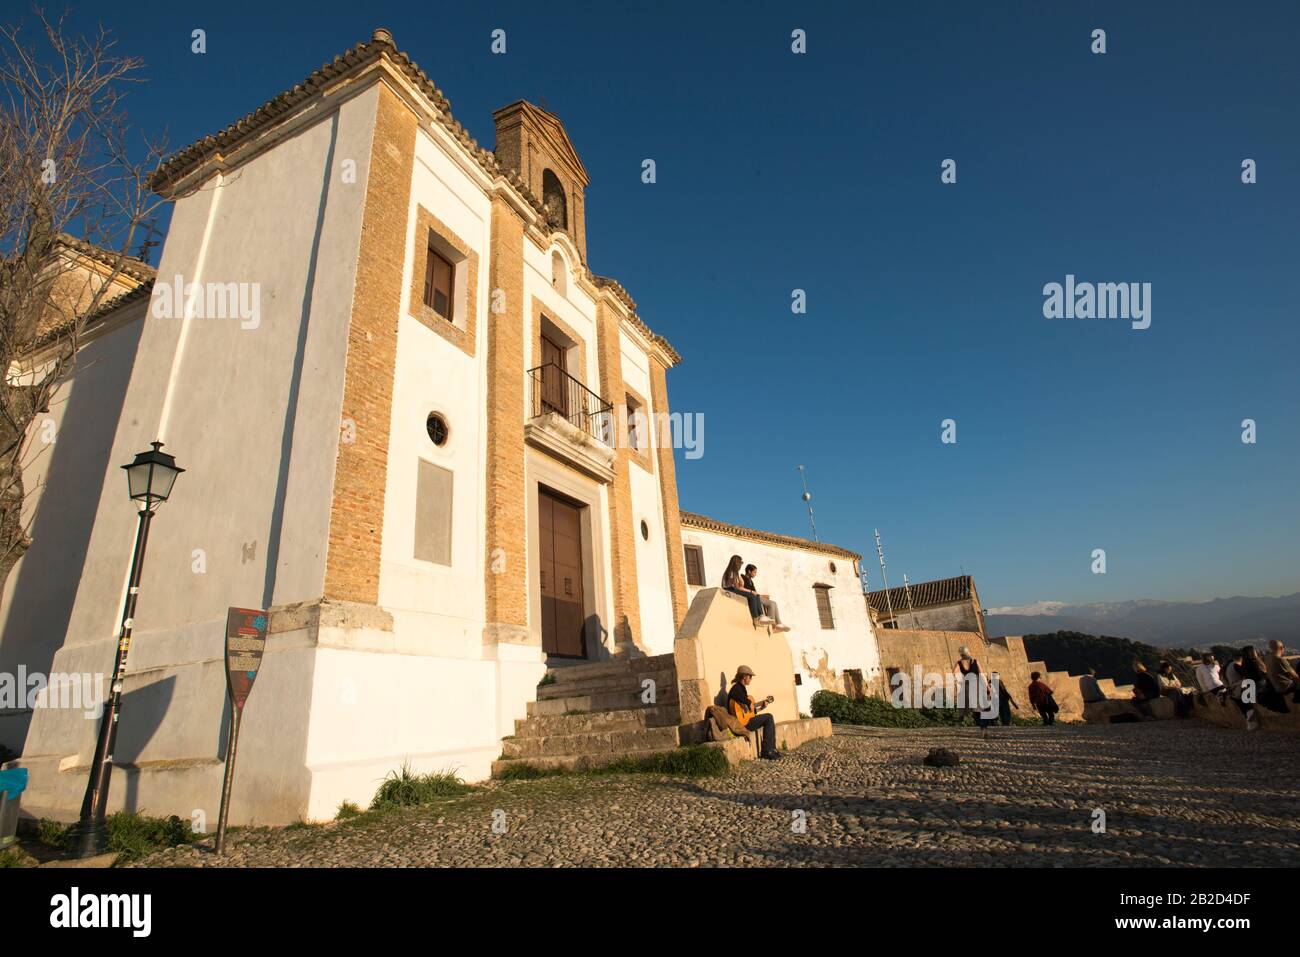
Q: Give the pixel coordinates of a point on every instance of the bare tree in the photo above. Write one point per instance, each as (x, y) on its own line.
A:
(69, 166)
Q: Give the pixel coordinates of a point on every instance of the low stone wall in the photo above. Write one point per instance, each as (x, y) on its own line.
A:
(937, 652)
(1212, 709)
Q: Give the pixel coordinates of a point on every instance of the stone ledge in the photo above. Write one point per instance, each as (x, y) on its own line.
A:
(560, 438)
(327, 613)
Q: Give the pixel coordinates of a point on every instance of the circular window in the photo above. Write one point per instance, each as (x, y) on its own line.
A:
(832, 568)
(438, 430)
(645, 530)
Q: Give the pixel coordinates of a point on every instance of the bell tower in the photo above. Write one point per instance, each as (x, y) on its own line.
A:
(532, 142)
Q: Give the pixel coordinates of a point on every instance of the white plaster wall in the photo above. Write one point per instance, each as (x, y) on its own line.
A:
(438, 607)
(788, 575)
(573, 306)
(654, 593)
(40, 593)
(259, 464)
(653, 590)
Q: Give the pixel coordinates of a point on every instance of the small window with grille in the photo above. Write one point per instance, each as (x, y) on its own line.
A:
(694, 565)
(824, 611)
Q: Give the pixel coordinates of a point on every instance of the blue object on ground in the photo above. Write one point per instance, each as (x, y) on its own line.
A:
(14, 781)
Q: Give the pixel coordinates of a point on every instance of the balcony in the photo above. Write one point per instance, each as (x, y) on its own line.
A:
(570, 422)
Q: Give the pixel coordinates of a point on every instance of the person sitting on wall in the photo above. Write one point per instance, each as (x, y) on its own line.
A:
(1089, 689)
(1255, 670)
(1041, 697)
(746, 711)
(769, 606)
(1172, 688)
(1208, 678)
(1145, 687)
(1237, 688)
(732, 582)
(1281, 673)
(1005, 701)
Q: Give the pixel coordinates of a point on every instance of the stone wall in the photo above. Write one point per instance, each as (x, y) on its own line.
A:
(937, 652)
(715, 639)
(954, 616)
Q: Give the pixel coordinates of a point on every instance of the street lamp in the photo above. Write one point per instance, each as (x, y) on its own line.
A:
(149, 479)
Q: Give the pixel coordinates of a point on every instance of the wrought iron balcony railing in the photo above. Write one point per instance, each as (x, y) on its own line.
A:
(554, 390)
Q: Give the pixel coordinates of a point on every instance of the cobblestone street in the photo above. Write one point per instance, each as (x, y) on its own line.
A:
(1173, 793)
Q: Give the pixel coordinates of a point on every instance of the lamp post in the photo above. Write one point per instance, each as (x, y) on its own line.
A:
(149, 479)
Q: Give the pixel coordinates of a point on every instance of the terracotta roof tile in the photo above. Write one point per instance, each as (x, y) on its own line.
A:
(129, 266)
(704, 523)
(924, 594)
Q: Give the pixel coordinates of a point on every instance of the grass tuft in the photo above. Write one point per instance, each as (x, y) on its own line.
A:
(348, 809)
(16, 857)
(692, 762)
(131, 835)
(522, 771)
(404, 788)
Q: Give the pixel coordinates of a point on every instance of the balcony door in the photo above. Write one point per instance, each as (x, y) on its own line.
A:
(560, 528)
(554, 381)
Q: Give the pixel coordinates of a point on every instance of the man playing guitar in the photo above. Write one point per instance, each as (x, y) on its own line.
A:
(746, 711)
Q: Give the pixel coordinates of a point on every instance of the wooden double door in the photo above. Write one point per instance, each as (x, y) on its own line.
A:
(563, 620)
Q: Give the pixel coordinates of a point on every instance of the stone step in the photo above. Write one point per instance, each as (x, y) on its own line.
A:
(629, 681)
(570, 673)
(573, 762)
(605, 701)
(618, 742)
(630, 719)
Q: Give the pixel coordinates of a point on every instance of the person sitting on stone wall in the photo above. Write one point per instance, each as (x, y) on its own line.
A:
(1254, 670)
(746, 711)
(1281, 673)
(1172, 688)
(769, 606)
(732, 582)
(1236, 679)
(1208, 678)
(1041, 697)
(1089, 689)
(1145, 687)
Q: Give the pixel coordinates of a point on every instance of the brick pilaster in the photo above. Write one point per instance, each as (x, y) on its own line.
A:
(505, 503)
(668, 489)
(357, 507)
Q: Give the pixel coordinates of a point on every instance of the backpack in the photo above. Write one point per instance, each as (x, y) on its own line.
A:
(723, 724)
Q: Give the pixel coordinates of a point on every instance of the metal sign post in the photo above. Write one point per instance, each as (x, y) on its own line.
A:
(245, 642)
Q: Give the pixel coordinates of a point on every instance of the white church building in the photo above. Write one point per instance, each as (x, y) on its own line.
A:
(413, 427)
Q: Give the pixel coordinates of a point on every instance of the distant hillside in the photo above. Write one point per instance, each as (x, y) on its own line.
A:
(1161, 624)
(1074, 652)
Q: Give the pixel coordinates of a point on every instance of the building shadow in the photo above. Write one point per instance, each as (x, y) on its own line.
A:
(44, 583)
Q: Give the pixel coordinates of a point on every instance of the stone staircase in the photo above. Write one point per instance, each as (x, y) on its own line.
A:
(596, 714)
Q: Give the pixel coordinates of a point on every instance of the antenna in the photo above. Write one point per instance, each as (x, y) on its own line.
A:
(888, 603)
(807, 497)
(907, 589)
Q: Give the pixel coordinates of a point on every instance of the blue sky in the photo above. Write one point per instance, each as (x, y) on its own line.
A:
(821, 172)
